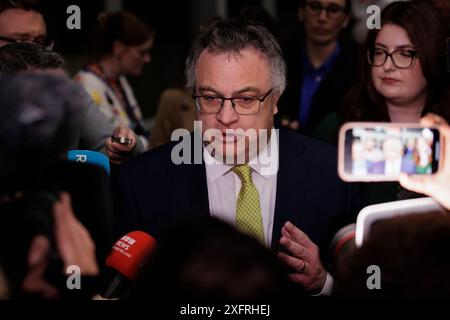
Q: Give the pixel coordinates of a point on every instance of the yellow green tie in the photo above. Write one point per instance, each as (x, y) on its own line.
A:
(248, 208)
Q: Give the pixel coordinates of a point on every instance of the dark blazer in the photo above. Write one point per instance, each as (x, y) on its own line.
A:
(155, 195)
(328, 97)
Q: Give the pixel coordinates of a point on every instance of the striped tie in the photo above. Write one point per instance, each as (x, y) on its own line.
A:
(248, 208)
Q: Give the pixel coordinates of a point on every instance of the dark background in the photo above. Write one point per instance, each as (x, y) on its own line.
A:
(174, 23)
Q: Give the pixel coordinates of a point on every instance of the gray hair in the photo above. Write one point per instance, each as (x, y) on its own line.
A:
(18, 57)
(232, 35)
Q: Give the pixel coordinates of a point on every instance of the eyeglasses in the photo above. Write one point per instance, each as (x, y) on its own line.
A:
(41, 41)
(402, 59)
(314, 8)
(244, 105)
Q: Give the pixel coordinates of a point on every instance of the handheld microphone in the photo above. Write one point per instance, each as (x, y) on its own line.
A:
(128, 255)
(91, 157)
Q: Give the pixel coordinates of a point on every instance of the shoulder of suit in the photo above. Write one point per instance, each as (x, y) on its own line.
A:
(309, 147)
(154, 159)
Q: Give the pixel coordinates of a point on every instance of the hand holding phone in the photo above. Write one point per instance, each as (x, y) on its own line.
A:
(120, 145)
(122, 140)
(382, 151)
(437, 185)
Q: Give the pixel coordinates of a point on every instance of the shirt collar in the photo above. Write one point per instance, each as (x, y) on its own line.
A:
(326, 66)
(218, 169)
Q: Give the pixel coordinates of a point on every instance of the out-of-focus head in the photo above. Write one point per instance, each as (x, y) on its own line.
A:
(124, 37)
(411, 253)
(38, 123)
(413, 33)
(208, 259)
(22, 20)
(324, 20)
(21, 57)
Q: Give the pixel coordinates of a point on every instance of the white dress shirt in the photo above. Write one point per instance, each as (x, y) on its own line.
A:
(224, 186)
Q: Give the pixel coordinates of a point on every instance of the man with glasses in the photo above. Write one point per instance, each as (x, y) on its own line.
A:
(236, 72)
(23, 21)
(321, 65)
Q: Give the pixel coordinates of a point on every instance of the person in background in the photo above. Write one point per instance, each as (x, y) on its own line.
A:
(401, 78)
(402, 74)
(436, 185)
(409, 156)
(36, 130)
(321, 64)
(121, 45)
(176, 109)
(22, 21)
(393, 152)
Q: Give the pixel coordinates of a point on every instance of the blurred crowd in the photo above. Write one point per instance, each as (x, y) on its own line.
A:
(219, 231)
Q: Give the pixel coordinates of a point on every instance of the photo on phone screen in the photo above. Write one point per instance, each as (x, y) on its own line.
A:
(383, 152)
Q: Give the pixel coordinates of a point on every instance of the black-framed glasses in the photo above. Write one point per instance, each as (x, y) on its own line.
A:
(332, 10)
(402, 58)
(41, 41)
(244, 105)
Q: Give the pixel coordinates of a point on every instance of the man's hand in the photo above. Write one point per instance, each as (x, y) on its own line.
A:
(120, 152)
(438, 184)
(303, 258)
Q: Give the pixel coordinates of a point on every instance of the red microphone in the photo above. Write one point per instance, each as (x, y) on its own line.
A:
(128, 255)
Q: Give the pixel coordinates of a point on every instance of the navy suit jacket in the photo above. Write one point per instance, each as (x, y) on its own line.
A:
(154, 194)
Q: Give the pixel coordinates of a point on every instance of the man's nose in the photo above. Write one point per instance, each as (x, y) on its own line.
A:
(227, 114)
(323, 14)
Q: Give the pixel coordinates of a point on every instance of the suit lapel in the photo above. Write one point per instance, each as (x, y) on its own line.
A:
(292, 181)
(191, 190)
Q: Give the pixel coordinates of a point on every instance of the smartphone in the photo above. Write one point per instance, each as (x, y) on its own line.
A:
(122, 140)
(381, 151)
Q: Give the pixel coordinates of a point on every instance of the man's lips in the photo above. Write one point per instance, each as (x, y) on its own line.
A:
(230, 138)
(321, 30)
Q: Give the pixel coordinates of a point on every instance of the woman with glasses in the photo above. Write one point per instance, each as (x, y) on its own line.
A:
(121, 45)
(321, 64)
(402, 76)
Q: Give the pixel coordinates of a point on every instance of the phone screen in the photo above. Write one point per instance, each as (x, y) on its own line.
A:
(387, 151)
